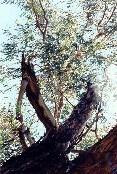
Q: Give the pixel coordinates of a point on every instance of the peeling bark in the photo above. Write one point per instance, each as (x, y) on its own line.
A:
(49, 155)
(35, 98)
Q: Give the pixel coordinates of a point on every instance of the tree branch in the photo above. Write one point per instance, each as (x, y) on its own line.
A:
(100, 158)
(41, 24)
(23, 131)
(111, 14)
(70, 131)
(44, 157)
(35, 98)
(99, 23)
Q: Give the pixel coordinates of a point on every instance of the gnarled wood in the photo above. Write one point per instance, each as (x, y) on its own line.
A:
(49, 156)
(35, 98)
(45, 158)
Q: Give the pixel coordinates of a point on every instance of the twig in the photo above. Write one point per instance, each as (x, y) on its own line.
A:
(111, 15)
(109, 33)
(66, 98)
(99, 23)
(42, 27)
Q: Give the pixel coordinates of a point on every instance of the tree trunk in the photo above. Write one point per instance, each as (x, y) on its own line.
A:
(47, 158)
(49, 155)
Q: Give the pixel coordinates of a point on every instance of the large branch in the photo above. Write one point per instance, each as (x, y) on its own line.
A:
(34, 96)
(44, 158)
(71, 130)
(98, 159)
(48, 156)
(68, 133)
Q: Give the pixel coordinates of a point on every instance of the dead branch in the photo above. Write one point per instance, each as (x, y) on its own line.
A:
(35, 98)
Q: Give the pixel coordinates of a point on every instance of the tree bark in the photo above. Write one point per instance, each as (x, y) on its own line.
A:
(46, 158)
(35, 97)
(101, 158)
(49, 155)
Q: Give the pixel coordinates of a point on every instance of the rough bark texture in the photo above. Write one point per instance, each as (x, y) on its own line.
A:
(47, 158)
(34, 95)
(100, 158)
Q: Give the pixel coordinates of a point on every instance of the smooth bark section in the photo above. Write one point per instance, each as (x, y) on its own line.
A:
(23, 131)
(20, 98)
(35, 98)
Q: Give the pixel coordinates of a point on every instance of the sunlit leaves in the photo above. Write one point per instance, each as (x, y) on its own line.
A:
(78, 37)
(9, 141)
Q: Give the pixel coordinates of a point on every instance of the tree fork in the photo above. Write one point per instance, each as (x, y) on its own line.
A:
(44, 158)
(49, 156)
